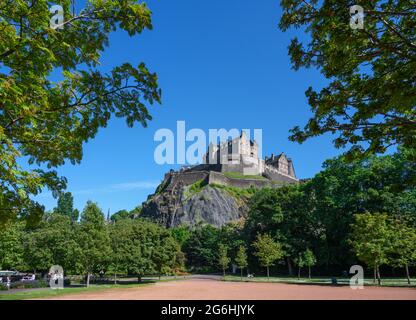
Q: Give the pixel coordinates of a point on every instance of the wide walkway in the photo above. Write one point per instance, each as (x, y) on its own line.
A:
(211, 289)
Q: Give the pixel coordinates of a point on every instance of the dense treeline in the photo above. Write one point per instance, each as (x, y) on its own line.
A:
(361, 212)
(90, 246)
(316, 221)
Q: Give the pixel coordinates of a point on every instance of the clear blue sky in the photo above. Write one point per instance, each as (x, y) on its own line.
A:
(221, 64)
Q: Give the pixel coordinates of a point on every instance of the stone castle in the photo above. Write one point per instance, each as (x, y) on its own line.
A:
(236, 163)
(182, 197)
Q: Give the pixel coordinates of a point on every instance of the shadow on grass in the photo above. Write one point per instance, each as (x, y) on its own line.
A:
(341, 282)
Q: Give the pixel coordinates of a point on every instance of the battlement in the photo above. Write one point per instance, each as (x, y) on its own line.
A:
(235, 158)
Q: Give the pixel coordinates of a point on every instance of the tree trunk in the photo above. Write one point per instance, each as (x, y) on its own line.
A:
(241, 273)
(139, 278)
(88, 279)
(378, 275)
(115, 278)
(407, 273)
(375, 274)
(309, 272)
(223, 272)
(268, 274)
(289, 266)
(298, 273)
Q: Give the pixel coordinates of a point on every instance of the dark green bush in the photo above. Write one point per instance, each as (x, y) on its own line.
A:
(28, 284)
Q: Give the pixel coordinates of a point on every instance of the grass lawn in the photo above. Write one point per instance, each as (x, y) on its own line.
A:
(238, 175)
(45, 292)
(387, 282)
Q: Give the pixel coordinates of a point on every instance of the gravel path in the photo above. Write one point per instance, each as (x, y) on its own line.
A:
(209, 289)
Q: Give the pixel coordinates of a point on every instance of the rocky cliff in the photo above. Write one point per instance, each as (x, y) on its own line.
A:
(196, 203)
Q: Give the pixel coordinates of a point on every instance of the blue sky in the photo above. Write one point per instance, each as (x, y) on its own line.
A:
(221, 64)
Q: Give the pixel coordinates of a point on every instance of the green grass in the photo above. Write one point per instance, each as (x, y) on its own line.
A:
(238, 175)
(49, 293)
(387, 282)
(238, 193)
(195, 188)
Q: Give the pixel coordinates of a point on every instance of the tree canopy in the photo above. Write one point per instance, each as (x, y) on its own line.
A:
(267, 250)
(47, 121)
(370, 100)
(371, 239)
(94, 240)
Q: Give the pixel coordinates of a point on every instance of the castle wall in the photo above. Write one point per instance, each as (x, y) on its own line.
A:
(181, 179)
(274, 174)
(219, 178)
(187, 178)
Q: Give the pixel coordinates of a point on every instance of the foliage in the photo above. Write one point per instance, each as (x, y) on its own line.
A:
(371, 97)
(181, 234)
(285, 214)
(371, 239)
(125, 214)
(141, 247)
(94, 240)
(317, 214)
(28, 284)
(267, 250)
(223, 259)
(66, 206)
(52, 242)
(201, 248)
(167, 254)
(48, 121)
(230, 235)
(241, 259)
(240, 194)
(309, 258)
(403, 247)
(195, 188)
(11, 250)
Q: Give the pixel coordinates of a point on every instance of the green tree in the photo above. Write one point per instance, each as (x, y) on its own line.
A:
(374, 184)
(223, 259)
(300, 263)
(371, 240)
(201, 249)
(286, 214)
(371, 97)
(267, 251)
(166, 252)
(11, 247)
(119, 215)
(66, 206)
(181, 233)
(241, 259)
(179, 262)
(52, 242)
(141, 247)
(94, 241)
(403, 249)
(48, 121)
(309, 260)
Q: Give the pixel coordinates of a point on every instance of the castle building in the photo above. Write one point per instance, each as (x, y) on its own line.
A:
(241, 155)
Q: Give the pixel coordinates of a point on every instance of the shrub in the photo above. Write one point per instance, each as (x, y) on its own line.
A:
(28, 284)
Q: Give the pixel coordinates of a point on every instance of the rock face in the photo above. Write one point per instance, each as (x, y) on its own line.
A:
(182, 205)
